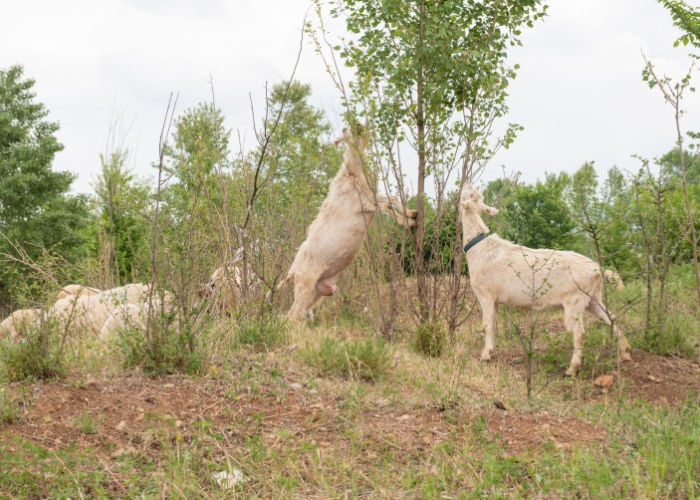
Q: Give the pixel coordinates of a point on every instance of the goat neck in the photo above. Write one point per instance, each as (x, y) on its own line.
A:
(472, 226)
(471, 206)
(352, 158)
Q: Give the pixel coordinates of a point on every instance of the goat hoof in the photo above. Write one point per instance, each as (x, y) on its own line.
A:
(485, 356)
(626, 356)
(571, 372)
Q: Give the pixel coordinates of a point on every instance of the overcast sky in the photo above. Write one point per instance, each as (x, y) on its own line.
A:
(105, 70)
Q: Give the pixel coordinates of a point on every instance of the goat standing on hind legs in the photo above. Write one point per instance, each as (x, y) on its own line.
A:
(501, 272)
(336, 235)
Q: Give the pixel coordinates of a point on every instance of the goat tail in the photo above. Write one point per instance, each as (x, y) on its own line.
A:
(287, 279)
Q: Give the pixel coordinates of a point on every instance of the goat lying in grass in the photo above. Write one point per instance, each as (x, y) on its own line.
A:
(501, 272)
(340, 228)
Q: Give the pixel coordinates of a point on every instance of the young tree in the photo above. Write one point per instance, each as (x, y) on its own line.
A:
(121, 239)
(673, 95)
(36, 210)
(432, 73)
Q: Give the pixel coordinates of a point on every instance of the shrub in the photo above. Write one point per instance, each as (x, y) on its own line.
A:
(9, 410)
(430, 339)
(365, 360)
(39, 356)
(263, 333)
(166, 349)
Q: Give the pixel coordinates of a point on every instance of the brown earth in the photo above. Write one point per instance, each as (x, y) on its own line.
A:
(127, 410)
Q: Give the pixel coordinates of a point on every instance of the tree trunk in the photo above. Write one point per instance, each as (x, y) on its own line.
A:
(686, 203)
(422, 278)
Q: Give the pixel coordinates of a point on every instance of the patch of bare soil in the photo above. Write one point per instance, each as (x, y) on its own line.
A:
(110, 416)
(660, 379)
(520, 432)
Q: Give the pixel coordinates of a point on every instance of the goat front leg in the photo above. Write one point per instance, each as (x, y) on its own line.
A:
(488, 311)
(393, 206)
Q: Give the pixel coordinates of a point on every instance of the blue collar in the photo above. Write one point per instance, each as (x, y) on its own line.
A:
(476, 239)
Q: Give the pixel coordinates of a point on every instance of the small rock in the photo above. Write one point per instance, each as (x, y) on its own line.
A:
(604, 381)
(121, 425)
(229, 480)
(129, 450)
(296, 386)
(654, 379)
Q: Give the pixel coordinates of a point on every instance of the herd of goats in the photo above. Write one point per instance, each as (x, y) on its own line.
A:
(500, 272)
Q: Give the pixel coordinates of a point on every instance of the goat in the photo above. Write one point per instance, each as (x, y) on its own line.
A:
(225, 284)
(337, 233)
(501, 272)
(90, 312)
(613, 278)
(18, 322)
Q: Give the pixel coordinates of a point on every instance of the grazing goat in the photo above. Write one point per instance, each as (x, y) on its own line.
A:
(225, 284)
(501, 272)
(18, 322)
(336, 235)
(614, 278)
(89, 313)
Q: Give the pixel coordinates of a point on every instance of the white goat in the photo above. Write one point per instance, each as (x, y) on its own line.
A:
(501, 272)
(225, 284)
(336, 235)
(614, 278)
(124, 317)
(18, 322)
(90, 312)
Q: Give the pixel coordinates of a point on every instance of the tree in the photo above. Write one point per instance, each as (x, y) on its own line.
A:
(432, 73)
(533, 215)
(673, 95)
(686, 18)
(301, 159)
(36, 211)
(121, 239)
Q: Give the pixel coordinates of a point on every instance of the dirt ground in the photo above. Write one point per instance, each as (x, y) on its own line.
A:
(128, 408)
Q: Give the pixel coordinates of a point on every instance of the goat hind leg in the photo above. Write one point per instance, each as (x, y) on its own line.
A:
(574, 323)
(597, 310)
(305, 297)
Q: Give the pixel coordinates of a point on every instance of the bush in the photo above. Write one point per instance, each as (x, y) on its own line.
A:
(430, 339)
(39, 356)
(166, 349)
(264, 333)
(365, 360)
(9, 410)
